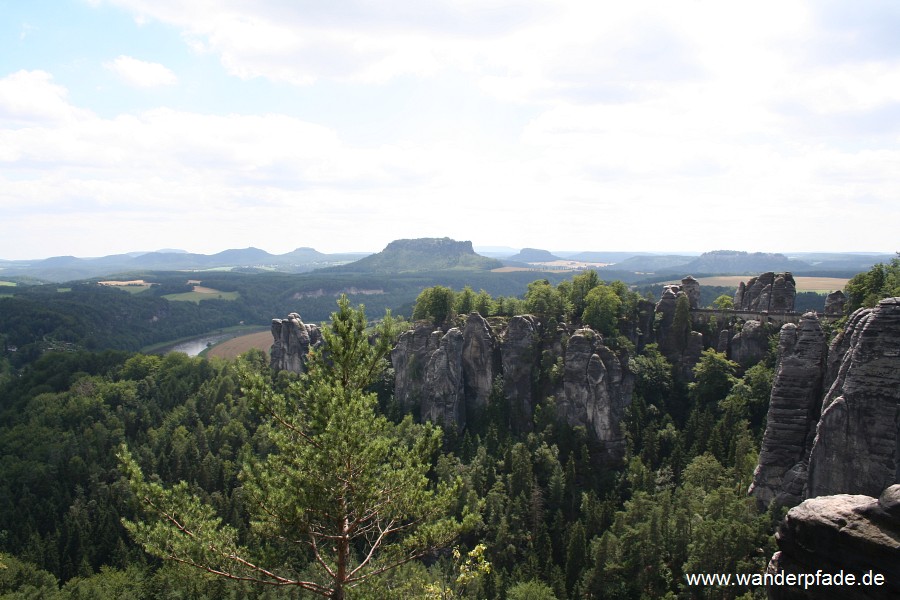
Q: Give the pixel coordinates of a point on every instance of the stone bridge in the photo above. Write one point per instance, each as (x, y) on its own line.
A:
(704, 315)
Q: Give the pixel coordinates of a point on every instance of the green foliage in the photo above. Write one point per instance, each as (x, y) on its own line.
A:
(552, 521)
(866, 289)
(436, 303)
(342, 497)
(581, 286)
(602, 310)
(723, 302)
(681, 324)
(465, 301)
(530, 590)
(545, 301)
(713, 378)
(484, 304)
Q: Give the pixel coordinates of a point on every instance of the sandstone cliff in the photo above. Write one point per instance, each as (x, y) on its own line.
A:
(448, 377)
(851, 533)
(857, 444)
(443, 399)
(750, 344)
(520, 353)
(596, 390)
(767, 293)
(834, 416)
(293, 340)
(793, 412)
(682, 349)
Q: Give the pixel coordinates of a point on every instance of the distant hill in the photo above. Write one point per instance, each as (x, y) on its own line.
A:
(738, 263)
(652, 263)
(533, 255)
(68, 268)
(600, 257)
(495, 251)
(422, 254)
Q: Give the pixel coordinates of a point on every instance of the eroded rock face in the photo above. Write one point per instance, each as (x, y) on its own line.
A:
(793, 412)
(857, 444)
(293, 340)
(682, 353)
(835, 303)
(443, 397)
(479, 360)
(691, 287)
(596, 390)
(784, 291)
(851, 533)
(519, 350)
(750, 344)
(445, 375)
(410, 358)
(767, 293)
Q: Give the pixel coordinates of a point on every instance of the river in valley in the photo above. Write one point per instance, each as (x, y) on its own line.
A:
(195, 345)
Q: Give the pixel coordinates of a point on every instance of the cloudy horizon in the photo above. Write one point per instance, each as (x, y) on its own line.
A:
(132, 125)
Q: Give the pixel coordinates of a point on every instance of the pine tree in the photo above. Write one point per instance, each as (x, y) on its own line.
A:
(343, 497)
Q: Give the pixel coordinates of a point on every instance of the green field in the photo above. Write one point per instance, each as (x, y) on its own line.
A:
(7, 283)
(196, 296)
(135, 289)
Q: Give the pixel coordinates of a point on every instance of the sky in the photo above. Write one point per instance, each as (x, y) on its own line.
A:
(136, 125)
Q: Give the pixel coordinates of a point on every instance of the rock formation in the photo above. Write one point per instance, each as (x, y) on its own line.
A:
(793, 412)
(691, 287)
(447, 378)
(835, 303)
(750, 344)
(410, 357)
(479, 360)
(767, 293)
(443, 398)
(853, 534)
(857, 444)
(596, 390)
(292, 342)
(683, 352)
(784, 291)
(519, 356)
(834, 418)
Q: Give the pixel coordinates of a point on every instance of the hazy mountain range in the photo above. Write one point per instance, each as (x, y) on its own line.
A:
(434, 254)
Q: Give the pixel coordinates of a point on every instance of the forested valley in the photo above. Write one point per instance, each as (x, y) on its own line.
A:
(539, 516)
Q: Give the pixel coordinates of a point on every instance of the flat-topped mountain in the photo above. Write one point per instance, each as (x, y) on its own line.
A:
(422, 254)
(733, 261)
(533, 255)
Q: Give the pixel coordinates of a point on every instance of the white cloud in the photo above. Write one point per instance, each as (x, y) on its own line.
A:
(31, 96)
(141, 73)
(604, 114)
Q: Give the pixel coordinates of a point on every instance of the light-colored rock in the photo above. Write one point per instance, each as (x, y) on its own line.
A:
(596, 390)
(479, 360)
(292, 341)
(443, 397)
